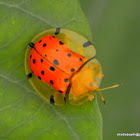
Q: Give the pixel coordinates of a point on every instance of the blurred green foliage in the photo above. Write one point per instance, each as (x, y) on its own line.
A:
(115, 28)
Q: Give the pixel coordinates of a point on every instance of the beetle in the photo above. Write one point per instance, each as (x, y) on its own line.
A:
(60, 61)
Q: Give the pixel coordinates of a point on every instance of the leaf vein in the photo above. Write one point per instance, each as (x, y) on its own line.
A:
(15, 82)
(23, 122)
(68, 124)
(14, 104)
(26, 12)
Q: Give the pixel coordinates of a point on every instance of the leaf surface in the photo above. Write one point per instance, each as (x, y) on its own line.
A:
(23, 113)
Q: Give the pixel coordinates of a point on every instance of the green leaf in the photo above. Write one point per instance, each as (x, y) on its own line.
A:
(23, 113)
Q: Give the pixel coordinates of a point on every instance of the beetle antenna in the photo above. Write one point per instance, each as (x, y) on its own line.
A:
(99, 90)
(114, 86)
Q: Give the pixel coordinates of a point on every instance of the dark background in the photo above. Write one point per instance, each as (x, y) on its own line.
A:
(115, 27)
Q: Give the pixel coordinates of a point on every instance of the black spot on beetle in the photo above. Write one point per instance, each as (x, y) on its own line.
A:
(66, 80)
(86, 44)
(34, 61)
(60, 91)
(57, 31)
(42, 72)
(52, 99)
(52, 68)
(40, 41)
(55, 62)
(60, 42)
(31, 45)
(80, 59)
(44, 45)
(39, 77)
(69, 55)
(72, 70)
(29, 75)
(51, 81)
(41, 60)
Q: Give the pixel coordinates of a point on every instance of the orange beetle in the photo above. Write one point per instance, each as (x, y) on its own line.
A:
(58, 61)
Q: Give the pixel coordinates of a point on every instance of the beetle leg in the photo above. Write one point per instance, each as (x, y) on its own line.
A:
(91, 97)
